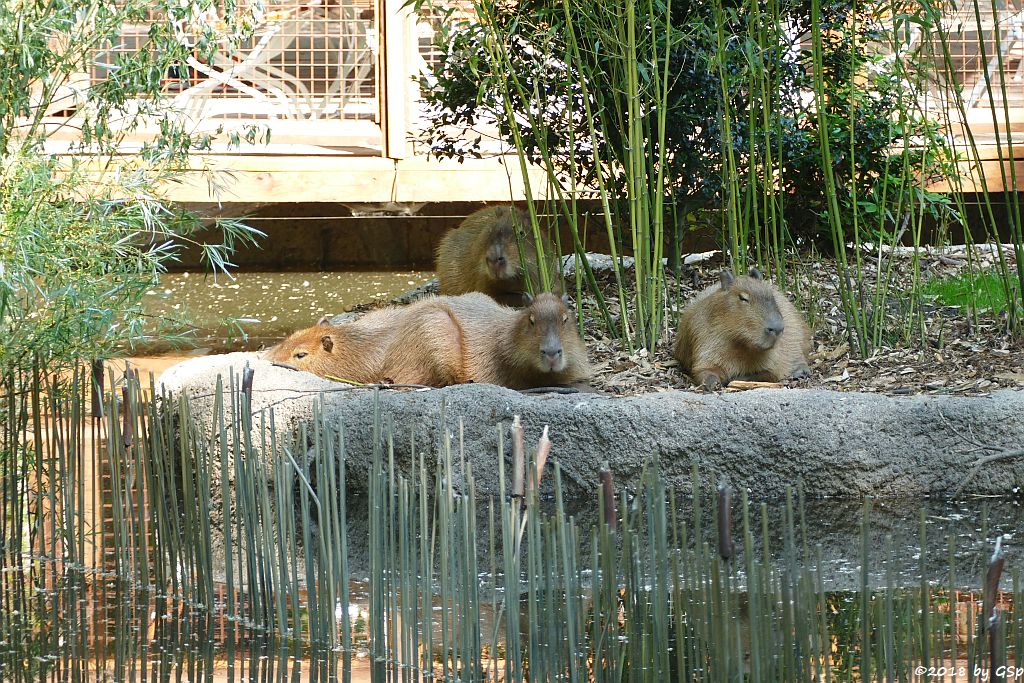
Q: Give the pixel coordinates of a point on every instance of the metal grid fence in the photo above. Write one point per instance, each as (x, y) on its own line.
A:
(317, 59)
(306, 59)
(979, 40)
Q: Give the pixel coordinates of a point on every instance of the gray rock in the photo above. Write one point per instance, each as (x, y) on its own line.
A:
(839, 444)
(604, 263)
(426, 289)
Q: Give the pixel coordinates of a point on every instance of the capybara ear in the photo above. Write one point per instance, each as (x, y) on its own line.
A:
(324, 321)
(528, 298)
(755, 273)
(565, 299)
(726, 278)
(327, 342)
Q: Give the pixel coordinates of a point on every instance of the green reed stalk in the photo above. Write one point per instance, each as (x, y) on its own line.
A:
(647, 601)
(733, 235)
(851, 309)
(637, 84)
(926, 601)
(498, 52)
(975, 160)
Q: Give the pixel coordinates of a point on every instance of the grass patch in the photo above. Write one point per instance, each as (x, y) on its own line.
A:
(982, 290)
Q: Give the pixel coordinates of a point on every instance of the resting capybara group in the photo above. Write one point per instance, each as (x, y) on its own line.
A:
(447, 340)
(493, 251)
(742, 328)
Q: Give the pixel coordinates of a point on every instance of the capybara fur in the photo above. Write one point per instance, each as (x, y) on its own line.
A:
(483, 254)
(445, 340)
(742, 328)
(416, 344)
(536, 346)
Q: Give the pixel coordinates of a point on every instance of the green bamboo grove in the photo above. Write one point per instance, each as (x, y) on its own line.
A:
(456, 586)
(787, 129)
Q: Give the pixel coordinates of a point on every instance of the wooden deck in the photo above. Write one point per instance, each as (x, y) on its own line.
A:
(999, 158)
(350, 172)
(347, 178)
(300, 176)
(334, 83)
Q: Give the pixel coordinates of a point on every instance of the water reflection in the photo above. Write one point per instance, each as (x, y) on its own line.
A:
(266, 306)
(104, 630)
(92, 627)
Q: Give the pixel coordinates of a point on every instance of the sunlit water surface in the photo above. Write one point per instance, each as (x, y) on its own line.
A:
(254, 309)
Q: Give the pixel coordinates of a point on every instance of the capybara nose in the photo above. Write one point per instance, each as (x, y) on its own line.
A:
(498, 262)
(551, 355)
(774, 329)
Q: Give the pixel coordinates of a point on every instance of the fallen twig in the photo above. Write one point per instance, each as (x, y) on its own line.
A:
(981, 462)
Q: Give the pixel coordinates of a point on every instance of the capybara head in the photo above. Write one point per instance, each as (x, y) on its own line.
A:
(314, 349)
(746, 309)
(506, 233)
(545, 336)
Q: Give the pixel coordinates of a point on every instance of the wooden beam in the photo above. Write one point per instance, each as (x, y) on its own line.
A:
(397, 34)
(316, 178)
(494, 179)
(992, 170)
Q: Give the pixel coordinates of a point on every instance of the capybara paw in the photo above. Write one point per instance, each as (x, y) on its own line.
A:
(800, 372)
(712, 382)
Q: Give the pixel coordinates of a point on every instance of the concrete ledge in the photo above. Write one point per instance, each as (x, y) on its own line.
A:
(841, 445)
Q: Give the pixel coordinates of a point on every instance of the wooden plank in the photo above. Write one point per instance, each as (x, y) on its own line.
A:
(394, 101)
(992, 173)
(317, 178)
(350, 179)
(352, 184)
(495, 179)
(978, 116)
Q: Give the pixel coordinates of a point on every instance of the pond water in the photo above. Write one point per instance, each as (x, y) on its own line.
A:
(93, 627)
(255, 308)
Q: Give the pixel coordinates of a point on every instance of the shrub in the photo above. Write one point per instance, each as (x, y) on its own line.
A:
(84, 231)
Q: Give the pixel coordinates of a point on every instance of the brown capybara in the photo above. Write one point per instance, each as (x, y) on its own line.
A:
(536, 346)
(742, 328)
(416, 344)
(483, 255)
(447, 340)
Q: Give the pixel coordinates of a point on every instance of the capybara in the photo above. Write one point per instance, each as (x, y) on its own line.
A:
(533, 347)
(416, 344)
(742, 328)
(483, 255)
(447, 340)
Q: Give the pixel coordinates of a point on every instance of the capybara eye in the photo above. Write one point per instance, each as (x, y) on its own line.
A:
(565, 318)
(301, 354)
(532, 321)
(744, 298)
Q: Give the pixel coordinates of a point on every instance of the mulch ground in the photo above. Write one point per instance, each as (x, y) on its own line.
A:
(947, 353)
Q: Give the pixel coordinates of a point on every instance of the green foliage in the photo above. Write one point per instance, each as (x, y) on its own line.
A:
(763, 70)
(85, 231)
(797, 130)
(981, 290)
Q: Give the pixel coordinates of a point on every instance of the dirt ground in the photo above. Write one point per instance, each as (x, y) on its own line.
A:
(952, 355)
